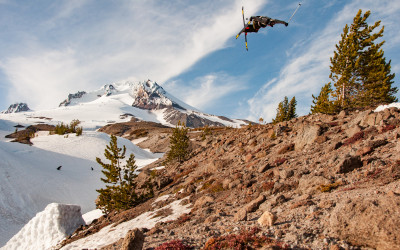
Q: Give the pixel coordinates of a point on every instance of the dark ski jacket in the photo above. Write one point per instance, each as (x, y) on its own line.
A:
(260, 22)
(264, 21)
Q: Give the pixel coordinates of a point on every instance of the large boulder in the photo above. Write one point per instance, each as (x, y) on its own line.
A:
(371, 220)
(306, 135)
(348, 164)
(267, 219)
(133, 240)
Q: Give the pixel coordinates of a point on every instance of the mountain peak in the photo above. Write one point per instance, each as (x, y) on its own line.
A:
(16, 108)
(149, 95)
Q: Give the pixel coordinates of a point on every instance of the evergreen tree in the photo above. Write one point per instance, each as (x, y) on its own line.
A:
(342, 69)
(376, 78)
(179, 143)
(285, 110)
(119, 193)
(281, 111)
(292, 109)
(359, 71)
(322, 103)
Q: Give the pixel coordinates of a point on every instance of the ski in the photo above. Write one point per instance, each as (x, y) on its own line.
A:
(243, 30)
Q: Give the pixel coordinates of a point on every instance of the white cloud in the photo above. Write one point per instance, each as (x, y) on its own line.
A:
(67, 8)
(43, 79)
(204, 92)
(137, 39)
(308, 72)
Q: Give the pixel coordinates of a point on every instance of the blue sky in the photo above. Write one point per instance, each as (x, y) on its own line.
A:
(52, 48)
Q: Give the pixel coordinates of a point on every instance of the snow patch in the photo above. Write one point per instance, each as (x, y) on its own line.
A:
(48, 227)
(158, 168)
(162, 198)
(112, 233)
(383, 107)
(89, 217)
(139, 140)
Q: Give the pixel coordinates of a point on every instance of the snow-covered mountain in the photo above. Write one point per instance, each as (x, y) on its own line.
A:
(147, 101)
(16, 108)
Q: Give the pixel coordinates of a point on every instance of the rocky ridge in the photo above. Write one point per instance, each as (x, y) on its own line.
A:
(16, 108)
(315, 182)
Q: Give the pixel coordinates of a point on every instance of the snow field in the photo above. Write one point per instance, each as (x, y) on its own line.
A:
(89, 146)
(29, 179)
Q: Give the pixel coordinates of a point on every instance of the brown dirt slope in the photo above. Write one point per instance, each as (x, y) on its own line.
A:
(323, 182)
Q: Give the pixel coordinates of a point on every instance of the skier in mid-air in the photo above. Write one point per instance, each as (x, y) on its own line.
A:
(257, 22)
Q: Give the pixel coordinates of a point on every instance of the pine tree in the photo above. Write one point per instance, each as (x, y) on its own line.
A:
(376, 77)
(342, 69)
(285, 110)
(281, 111)
(322, 103)
(292, 109)
(359, 71)
(119, 193)
(179, 143)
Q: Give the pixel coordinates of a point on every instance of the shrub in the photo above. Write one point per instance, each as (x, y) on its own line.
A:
(173, 245)
(205, 132)
(329, 187)
(62, 129)
(280, 161)
(356, 137)
(183, 218)
(268, 185)
(207, 184)
(79, 131)
(216, 187)
(388, 128)
(246, 239)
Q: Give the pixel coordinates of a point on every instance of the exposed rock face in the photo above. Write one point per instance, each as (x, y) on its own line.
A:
(16, 108)
(149, 95)
(192, 120)
(67, 101)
